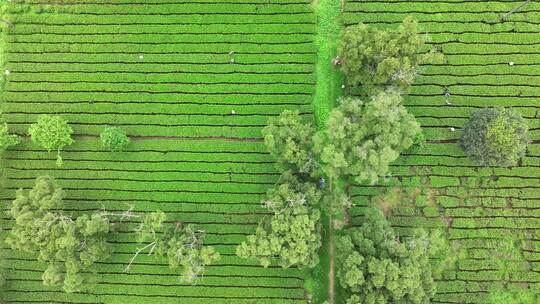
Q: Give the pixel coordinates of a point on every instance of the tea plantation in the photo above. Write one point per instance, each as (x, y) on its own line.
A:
(194, 82)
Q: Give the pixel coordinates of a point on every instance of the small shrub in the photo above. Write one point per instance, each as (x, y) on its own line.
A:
(52, 133)
(495, 137)
(377, 58)
(7, 140)
(114, 139)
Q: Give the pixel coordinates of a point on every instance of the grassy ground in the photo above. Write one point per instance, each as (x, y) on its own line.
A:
(163, 72)
(489, 63)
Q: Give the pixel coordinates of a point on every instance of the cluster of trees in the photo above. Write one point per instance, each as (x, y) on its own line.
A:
(358, 142)
(70, 245)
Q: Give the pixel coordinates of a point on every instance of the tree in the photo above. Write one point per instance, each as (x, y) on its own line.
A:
(376, 58)
(7, 140)
(377, 266)
(114, 139)
(182, 245)
(361, 139)
(288, 139)
(495, 137)
(51, 133)
(292, 234)
(69, 246)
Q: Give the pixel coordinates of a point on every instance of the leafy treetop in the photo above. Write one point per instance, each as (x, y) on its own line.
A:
(182, 245)
(52, 133)
(69, 246)
(495, 137)
(377, 266)
(361, 139)
(288, 139)
(292, 234)
(114, 139)
(7, 140)
(375, 58)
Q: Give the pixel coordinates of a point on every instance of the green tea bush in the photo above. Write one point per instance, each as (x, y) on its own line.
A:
(374, 58)
(114, 139)
(361, 139)
(69, 246)
(495, 137)
(377, 266)
(7, 140)
(52, 133)
(512, 295)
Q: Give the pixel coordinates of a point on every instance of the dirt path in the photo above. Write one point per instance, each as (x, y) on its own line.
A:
(331, 289)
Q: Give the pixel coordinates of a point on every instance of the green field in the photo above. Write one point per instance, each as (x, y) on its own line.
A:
(162, 70)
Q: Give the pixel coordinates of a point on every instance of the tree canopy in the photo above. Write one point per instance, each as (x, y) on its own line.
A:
(69, 245)
(361, 138)
(376, 58)
(291, 235)
(114, 139)
(376, 266)
(53, 133)
(182, 245)
(7, 140)
(289, 139)
(495, 137)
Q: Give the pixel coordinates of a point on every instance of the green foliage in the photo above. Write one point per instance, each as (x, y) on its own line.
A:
(182, 245)
(512, 295)
(361, 139)
(495, 137)
(51, 133)
(378, 58)
(288, 139)
(377, 266)
(68, 246)
(114, 139)
(292, 234)
(7, 140)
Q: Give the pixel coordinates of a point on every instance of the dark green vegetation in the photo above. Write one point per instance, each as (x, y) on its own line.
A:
(487, 63)
(6, 139)
(495, 137)
(163, 73)
(69, 245)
